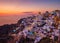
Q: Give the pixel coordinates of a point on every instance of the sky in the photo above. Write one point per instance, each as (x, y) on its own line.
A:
(17, 6)
(8, 8)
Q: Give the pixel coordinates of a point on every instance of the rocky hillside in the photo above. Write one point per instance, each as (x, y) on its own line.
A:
(36, 27)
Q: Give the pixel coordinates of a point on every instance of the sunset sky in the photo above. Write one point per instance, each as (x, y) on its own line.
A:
(12, 7)
(17, 6)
